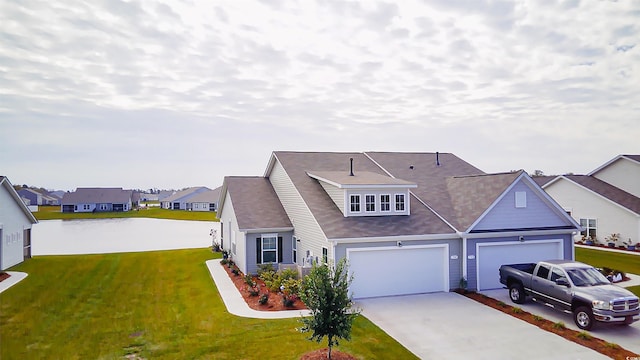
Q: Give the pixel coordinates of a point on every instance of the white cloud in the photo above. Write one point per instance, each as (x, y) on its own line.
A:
(177, 93)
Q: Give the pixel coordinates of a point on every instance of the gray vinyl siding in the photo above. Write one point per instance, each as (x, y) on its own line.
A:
(455, 250)
(287, 252)
(306, 228)
(336, 194)
(537, 213)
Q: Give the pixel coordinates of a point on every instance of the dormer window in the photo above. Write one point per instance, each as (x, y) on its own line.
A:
(399, 202)
(365, 193)
(370, 203)
(385, 203)
(355, 203)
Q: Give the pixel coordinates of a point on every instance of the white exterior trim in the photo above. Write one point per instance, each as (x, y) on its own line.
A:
(358, 240)
(611, 162)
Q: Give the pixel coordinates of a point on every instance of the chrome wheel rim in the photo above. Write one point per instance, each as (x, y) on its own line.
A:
(515, 294)
(583, 319)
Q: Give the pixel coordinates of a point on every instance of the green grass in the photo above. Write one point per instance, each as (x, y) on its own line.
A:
(53, 212)
(628, 263)
(624, 262)
(159, 305)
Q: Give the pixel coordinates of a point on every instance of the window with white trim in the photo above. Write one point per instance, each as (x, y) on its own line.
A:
(590, 228)
(400, 202)
(385, 203)
(269, 248)
(370, 203)
(354, 201)
(325, 255)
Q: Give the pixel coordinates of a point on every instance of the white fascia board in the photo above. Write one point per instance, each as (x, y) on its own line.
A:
(450, 236)
(267, 230)
(607, 164)
(485, 235)
(272, 161)
(362, 186)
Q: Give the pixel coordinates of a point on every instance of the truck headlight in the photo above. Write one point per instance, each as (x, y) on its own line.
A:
(602, 305)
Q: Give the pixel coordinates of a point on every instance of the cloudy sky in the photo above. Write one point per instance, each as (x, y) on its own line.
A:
(144, 94)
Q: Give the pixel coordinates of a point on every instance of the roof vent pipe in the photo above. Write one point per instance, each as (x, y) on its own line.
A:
(351, 171)
(437, 158)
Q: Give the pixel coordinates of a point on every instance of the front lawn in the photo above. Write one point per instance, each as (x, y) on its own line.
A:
(53, 213)
(628, 263)
(159, 305)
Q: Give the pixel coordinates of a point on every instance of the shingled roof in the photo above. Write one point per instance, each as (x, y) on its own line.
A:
(97, 196)
(608, 191)
(255, 203)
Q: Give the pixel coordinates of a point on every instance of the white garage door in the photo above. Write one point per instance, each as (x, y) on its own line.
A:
(398, 271)
(490, 256)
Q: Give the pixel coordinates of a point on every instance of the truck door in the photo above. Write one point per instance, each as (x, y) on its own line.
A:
(560, 293)
(539, 281)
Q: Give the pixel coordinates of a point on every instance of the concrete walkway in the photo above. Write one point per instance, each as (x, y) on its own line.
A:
(235, 303)
(15, 278)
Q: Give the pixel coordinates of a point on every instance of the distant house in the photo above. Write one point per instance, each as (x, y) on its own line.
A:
(15, 226)
(605, 201)
(408, 223)
(37, 198)
(198, 198)
(98, 200)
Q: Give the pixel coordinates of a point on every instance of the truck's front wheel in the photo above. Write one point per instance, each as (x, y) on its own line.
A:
(583, 317)
(516, 293)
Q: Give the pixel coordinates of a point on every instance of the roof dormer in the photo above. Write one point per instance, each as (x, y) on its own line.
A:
(365, 193)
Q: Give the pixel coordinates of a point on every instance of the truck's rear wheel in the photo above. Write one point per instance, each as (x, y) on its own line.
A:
(516, 293)
(583, 317)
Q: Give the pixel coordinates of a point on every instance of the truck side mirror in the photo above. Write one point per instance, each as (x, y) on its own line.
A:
(562, 281)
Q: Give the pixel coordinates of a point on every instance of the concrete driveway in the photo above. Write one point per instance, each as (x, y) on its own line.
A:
(450, 326)
(626, 336)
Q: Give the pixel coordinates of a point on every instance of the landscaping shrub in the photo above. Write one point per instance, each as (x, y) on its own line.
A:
(263, 298)
(559, 325)
(584, 335)
(265, 268)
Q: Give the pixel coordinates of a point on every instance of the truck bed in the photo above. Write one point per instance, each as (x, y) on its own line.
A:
(528, 267)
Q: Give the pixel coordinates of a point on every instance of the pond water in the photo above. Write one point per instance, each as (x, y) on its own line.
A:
(98, 236)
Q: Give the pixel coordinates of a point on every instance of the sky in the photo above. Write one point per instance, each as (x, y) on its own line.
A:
(171, 94)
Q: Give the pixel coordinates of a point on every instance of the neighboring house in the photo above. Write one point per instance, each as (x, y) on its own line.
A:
(98, 200)
(198, 198)
(407, 222)
(37, 198)
(15, 226)
(605, 201)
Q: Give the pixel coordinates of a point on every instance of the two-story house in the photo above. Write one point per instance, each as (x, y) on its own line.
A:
(407, 223)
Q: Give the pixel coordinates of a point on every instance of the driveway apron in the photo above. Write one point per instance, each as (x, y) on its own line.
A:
(450, 326)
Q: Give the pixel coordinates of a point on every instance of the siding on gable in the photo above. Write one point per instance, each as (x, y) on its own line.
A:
(230, 230)
(14, 222)
(505, 215)
(306, 227)
(336, 194)
(584, 204)
(622, 174)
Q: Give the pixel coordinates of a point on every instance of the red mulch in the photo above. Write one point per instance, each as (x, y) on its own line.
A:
(322, 354)
(599, 345)
(4, 275)
(275, 299)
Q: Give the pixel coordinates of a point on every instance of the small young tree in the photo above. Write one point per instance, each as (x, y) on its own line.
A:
(325, 291)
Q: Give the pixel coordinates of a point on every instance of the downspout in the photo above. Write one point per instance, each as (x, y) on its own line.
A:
(464, 256)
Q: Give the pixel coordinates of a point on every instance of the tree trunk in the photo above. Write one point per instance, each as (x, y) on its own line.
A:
(329, 353)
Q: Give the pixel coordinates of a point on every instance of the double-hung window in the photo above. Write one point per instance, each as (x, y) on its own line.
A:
(590, 228)
(370, 203)
(269, 248)
(385, 203)
(354, 201)
(399, 202)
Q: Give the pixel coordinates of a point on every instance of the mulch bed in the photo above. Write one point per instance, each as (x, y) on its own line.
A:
(613, 351)
(4, 275)
(275, 299)
(322, 354)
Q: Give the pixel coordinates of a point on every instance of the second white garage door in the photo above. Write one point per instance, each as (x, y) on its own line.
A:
(490, 256)
(399, 270)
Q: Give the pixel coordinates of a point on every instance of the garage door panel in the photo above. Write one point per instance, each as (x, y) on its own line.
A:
(398, 271)
(491, 256)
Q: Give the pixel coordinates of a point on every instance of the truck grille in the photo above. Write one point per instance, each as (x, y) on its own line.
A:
(625, 304)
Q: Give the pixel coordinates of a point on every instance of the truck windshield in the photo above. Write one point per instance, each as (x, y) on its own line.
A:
(587, 277)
